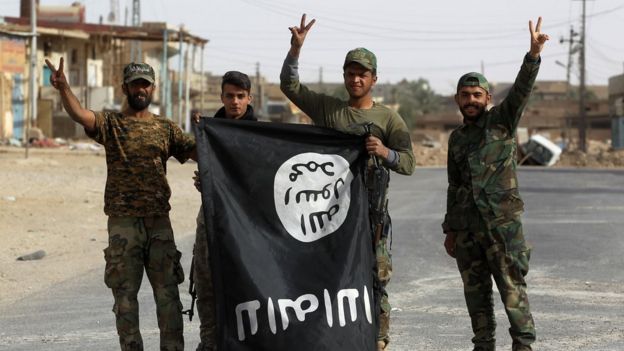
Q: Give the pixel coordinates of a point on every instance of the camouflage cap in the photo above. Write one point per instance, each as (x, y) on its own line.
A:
(473, 79)
(362, 56)
(134, 71)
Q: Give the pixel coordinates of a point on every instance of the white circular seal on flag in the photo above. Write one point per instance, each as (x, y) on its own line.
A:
(312, 195)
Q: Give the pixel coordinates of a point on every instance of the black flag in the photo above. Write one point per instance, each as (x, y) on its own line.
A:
(289, 236)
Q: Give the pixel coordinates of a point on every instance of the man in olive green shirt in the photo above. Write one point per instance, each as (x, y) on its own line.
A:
(390, 140)
(482, 222)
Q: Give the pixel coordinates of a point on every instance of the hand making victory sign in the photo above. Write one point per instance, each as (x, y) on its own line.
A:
(537, 38)
(70, 102)
(298, 35)
(57, 78)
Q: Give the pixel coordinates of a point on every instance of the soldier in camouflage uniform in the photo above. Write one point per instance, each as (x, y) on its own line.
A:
(138, 145)
(482, 223)
(236, 98)
(390, 139)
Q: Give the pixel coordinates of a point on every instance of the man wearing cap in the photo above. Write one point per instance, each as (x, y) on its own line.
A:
(482, 222)
(236, 98)
(136, 200)
(390, 140)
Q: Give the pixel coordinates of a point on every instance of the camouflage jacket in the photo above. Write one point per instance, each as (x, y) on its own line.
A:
(137, 150)
(483, 187)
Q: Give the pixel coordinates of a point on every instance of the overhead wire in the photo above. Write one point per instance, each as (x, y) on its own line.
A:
(434, 35)
(344, 25)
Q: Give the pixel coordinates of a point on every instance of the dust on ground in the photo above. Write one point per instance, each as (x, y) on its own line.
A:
(53, 201)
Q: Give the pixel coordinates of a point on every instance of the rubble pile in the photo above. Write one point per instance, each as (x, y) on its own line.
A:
(429, 156)
(598, 155)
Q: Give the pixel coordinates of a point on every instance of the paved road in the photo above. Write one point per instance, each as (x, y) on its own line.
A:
(576, 283)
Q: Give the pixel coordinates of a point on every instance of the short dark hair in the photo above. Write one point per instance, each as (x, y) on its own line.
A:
(236, 78)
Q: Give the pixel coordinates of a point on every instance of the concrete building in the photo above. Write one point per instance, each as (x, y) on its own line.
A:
(94, 55)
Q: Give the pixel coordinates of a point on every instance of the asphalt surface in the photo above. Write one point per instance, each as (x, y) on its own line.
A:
(573, 219)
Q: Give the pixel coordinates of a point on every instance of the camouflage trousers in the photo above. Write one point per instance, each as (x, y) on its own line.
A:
(501, 253)
(136, 244)
(384, 273)
(206, 309)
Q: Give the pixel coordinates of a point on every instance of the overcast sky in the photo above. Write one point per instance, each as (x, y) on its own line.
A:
(437, 40)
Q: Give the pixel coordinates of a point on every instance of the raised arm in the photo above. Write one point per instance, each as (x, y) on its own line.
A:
(512, 107)
(317, 106)
(71, 104)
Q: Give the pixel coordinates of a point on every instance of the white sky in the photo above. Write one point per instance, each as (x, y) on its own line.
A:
(436, 40)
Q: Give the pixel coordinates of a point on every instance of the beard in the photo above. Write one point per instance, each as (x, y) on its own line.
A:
(470, 116)
(138, 104)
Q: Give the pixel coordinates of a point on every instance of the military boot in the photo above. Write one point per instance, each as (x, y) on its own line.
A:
(520, 347)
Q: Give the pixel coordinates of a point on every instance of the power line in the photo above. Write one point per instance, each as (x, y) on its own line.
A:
(343, 24)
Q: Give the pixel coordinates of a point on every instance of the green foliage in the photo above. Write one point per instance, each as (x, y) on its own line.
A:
(415, 98)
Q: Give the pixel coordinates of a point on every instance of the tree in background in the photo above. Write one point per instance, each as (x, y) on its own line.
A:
(415, 99)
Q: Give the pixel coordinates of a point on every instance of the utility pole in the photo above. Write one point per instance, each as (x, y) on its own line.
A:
(181, 57)
(113, 15)
(260, 103)
(582, 93)
(135, 51)
(321, 87)
(187, 96)
(33, 71)
(203, 81)
(164, 74)
(571, 51)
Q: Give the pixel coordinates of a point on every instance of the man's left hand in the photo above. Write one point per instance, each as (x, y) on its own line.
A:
(195, 117)
(537, 38)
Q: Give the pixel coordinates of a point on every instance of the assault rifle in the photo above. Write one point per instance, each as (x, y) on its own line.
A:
(192, 291)
(379, 177)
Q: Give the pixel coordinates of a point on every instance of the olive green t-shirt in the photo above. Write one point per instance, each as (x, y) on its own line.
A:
(328, 111)
(137, 150)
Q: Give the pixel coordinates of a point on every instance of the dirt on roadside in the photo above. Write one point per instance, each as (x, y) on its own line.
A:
(53, 201)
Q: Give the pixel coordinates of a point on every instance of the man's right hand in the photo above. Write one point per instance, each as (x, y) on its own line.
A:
(298, 35)
(57, 78)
